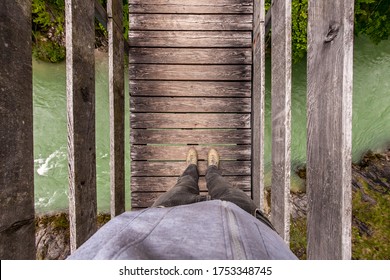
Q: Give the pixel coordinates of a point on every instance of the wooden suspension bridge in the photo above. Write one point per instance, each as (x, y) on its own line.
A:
(196, 77)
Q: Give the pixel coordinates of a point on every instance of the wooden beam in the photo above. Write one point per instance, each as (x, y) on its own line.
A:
(80, 66)
(191, 6)
(190, 104)
(17, 227)
(102, 17)
(281, 117)
(190, 72)
(177, 136)
(258, 80)
(161, 152)
(165, 120)
(191, 56)
(329, 101)
(117, 106)
(188, 39)
(190, 88)
(203, 22)
(175, 168)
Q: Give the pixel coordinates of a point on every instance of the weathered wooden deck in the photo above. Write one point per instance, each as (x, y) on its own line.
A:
(190, 84)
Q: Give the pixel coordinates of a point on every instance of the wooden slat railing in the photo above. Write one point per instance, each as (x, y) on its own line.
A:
(17, 227)
(281, 116)
(117, 106)
(329, 102)
(80, 73)
(258, 101)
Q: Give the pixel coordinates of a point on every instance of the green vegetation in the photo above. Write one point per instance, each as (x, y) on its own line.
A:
(370, 227)
(371, 233)
(372, 18)
(48, 25)
(48, 30)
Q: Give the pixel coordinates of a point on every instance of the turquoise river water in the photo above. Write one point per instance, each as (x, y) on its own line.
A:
(371, 122)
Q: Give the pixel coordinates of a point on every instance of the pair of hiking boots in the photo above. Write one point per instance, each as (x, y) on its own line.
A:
(212, 157)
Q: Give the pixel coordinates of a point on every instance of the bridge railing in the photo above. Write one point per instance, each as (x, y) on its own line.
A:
(329, 120)
(329, 107)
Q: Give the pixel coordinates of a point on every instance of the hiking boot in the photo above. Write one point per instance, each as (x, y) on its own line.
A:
(213, 158)
(192, 157)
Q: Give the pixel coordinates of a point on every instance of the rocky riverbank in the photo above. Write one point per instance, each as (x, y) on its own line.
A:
(371, 216)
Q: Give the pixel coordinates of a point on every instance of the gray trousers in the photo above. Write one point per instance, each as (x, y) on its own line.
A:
(186, 191)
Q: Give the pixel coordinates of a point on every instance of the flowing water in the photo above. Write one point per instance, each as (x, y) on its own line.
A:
(371, 122)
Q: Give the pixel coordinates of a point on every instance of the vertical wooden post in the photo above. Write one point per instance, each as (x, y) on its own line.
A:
(117, 106)
(281, 116)
(258, 92)
(17, 227)
(329, 101)
(80, 73)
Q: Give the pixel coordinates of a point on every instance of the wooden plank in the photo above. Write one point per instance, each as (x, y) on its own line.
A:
(165, 22)
(258, 103)
(191, 56)
(161, 120)
(190, 39)
(191, 7)
(209, 137)
(17, 227)
(174, 169)
(190, 88)
(143, 200)
(115, 11)
(161, 184)
(190, 104)
(330, 60)
(190, 72)
(117, 107)
(281, 117)
(231, 152)
(80, 66)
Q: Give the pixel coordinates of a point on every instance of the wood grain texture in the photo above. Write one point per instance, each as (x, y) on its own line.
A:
(281, 117)
(117, 107)
(190, 83)
(190, 104)
(258, 48)
(190, 72)
(190, 88)
(193, 136)
(144, 200)
(191, 56)
(80, 66)
(163, 120)
(17, 227)
(202, 22)
(191, 7)
(330, 60)
(175, 169)
(162, 184)
(230, 152)
(190, 39)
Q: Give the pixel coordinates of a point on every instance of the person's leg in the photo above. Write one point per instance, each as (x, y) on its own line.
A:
(220, 188)
(186, 190)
